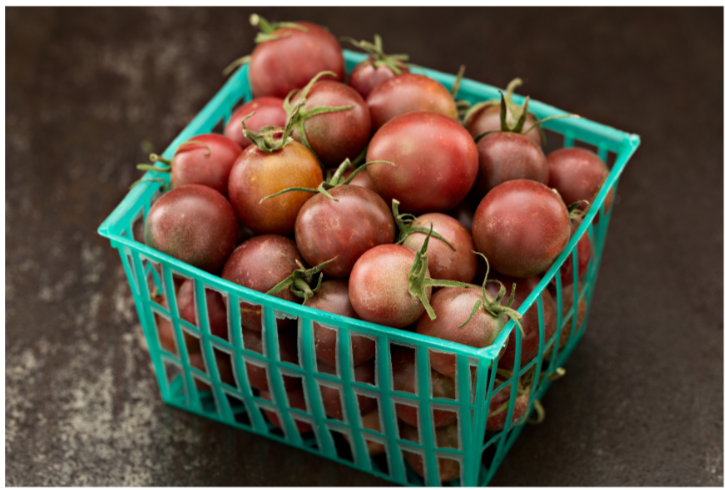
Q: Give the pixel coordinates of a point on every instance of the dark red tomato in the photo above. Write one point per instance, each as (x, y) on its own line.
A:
(489, 119)
(257, 174)
(194, 224)
(346, 228)
(379, 287)
(332, 397)
(296, 399)
(215, 306)
(223, 365)
(366, 76)
(371, 421)
(577, 174)
(333, 296)
(261, 263)
(404, 379)
(497, 421)
(443, 262)
(508, 156)
(448, 469)
(362, 179)
(584, 253)
(530, 320)
(291, 61)
(206, 159)
(406, 93)
(426, 148)
(287, 348)
(268, 111)
(335, 136)
(167, 337)
(521, 226)
(453, 306)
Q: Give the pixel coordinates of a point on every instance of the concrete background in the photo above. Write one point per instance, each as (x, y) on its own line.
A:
(642, 403)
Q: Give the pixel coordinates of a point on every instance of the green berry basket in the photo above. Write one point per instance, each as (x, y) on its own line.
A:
(201, 391)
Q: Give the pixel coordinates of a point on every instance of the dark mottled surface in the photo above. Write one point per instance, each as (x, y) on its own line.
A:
(642, 403)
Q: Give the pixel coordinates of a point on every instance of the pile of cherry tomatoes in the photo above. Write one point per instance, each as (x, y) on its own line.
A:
(362, 199)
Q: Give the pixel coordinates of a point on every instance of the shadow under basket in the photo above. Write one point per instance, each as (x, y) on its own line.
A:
(214, 382)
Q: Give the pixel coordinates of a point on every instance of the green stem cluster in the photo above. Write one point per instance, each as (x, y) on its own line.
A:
(297, 114)
(406, 226)
(396, 62)
(301, 280)
(267, 139)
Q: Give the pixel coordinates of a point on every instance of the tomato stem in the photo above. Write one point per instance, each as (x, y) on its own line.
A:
(406, 226)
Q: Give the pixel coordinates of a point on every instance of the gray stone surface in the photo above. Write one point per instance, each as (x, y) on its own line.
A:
(642, 403)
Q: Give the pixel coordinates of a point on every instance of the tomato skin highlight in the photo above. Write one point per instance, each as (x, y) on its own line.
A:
(366, 76)
(453, 306)
(578, 174)
(347, 228)
(409, 92)
(261, 263)
(257, 174)
(521, 226)
(268, 111)
(192, 223)
(333, 296)
(282, 65)
(508, 156)
(379, 287)
(335, 136)
(430, 151)
(443, 262)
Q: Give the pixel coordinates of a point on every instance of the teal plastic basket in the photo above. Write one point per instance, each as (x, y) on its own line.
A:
(480, 452)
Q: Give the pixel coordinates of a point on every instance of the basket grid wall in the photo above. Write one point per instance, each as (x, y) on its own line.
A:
(202, 391)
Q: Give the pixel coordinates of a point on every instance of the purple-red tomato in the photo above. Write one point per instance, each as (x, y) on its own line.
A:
(508, 156)
(215, 307)
(268, 111)
(410, 92)
(335, 136)
(287, 349)
(296, 399)
(405, 378)
(362, 179)
(257, 174)
(366, 76)
(578, 174)
(521, 226)
(446, 437)
(261, 263)
(206, 159)
(489, 119)
(332, 397)
(333, 297)
(530, 320)
(358, 221)
(379, 287)
(291, 60)
(194, 224)
(436, 162)
(443, 261)
(453, 307)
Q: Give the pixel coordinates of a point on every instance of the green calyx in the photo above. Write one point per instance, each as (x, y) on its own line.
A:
(153, 157)
(335, 180)
(575, 211)
(461, 105)
(396, 62)
(301, 280)
(297, 115)
(406, 226)
(267, 139)
(418, 283)
(514, 111)
(269, 29)
(494, 307)
(508, 109)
